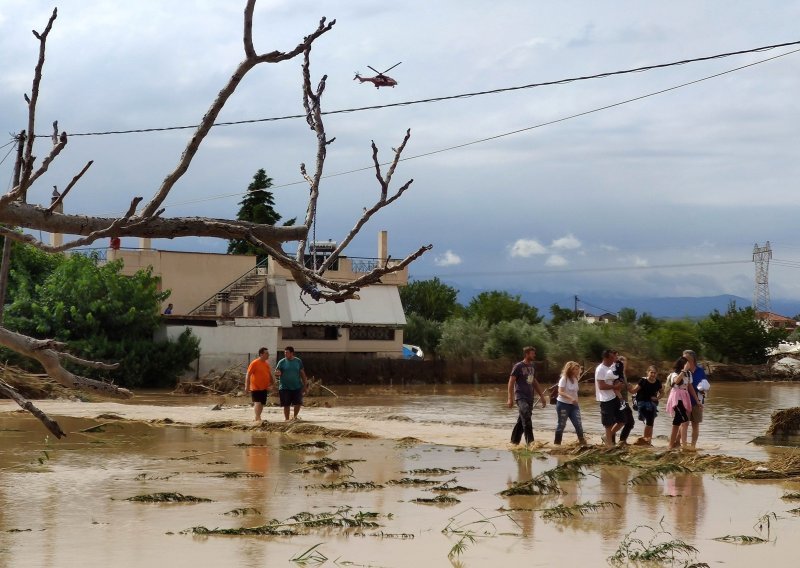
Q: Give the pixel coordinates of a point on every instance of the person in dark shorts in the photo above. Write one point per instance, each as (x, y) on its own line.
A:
(258, 380)
(622, 395)
(606, 390)
(292, 382)
(648, 392)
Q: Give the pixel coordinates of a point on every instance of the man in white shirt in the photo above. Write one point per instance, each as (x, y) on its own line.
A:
(606, 393)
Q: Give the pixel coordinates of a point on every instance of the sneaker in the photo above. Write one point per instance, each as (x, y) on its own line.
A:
(623, 405)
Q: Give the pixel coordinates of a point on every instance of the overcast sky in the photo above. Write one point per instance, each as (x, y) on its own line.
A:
(692, 177)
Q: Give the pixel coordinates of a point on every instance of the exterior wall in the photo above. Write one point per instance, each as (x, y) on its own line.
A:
(235, 343)
(192, 277)
(344, 344)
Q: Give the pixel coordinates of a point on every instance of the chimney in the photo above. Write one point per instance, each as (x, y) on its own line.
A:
(383, 247)
(57, 239)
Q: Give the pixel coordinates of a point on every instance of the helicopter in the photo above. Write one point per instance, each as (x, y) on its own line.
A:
(379, 80)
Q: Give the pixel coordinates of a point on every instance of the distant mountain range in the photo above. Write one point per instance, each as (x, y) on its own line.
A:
(691, 307)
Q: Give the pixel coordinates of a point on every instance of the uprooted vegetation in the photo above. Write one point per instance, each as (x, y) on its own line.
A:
(292, 427)
(299, 523)
(168, 498)
(785, 422)
(656, 465)
(231, 382)
(438, 500)
(326, 464)
(645, 544)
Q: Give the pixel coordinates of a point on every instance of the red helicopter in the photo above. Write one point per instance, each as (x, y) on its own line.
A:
(379, 80)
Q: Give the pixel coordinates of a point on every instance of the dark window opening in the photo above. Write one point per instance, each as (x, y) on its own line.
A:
(373, 333)
(324, 332)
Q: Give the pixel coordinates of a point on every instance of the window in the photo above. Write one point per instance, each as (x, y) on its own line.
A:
(372, 333)
(323, 332)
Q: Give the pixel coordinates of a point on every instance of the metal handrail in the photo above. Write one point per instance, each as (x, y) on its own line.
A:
(213, 297)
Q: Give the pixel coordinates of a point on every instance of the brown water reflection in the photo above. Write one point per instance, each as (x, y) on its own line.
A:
(73, 511)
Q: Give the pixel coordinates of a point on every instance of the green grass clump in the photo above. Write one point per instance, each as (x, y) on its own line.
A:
(167, 498)
(659, 548)
(438, 500)
(562, 512)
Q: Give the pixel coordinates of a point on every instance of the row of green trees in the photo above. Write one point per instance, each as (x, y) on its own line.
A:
(100, 313)
(498, 324)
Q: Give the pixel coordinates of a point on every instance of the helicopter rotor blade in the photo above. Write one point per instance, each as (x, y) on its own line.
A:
(376, 71)
(392, 67)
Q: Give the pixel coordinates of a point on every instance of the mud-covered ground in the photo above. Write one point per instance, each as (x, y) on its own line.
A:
(348, 485)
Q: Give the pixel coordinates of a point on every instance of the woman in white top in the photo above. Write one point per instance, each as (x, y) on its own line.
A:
(567, 402)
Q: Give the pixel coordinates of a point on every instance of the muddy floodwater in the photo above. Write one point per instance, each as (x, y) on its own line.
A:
(67, 502)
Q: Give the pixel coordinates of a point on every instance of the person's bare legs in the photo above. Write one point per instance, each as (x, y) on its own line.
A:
(609, 435)
(286, 413)
(684, 433)
(695, 433)
(257, 408)
(296, 410)
(648, 433)
(674, 437)
(611, 431)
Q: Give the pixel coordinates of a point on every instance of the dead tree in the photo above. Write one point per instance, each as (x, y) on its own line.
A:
(148, 220)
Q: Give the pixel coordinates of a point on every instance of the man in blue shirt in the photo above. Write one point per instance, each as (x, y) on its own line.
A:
(292, 382)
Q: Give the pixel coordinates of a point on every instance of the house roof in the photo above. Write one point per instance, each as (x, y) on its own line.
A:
(772, 316)
(378, 306)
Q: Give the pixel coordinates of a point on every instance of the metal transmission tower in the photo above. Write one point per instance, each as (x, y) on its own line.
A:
(761, 256)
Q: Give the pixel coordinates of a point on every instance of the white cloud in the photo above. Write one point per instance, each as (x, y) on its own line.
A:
(449, 258)
(608, 248)
(568, 242)
(556, 260)
(639, 261)
(526, 248)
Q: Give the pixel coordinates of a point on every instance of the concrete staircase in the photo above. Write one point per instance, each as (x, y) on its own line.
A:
(248, 284)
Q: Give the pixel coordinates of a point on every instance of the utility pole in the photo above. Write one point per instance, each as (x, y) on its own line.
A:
(6, 260)
(761, 256)
(576, 306)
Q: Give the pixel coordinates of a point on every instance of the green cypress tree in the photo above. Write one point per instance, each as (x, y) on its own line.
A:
(256, 207)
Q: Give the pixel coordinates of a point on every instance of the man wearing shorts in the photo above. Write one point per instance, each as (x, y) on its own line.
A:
(606, 394)
(257, 381)
(698, 375)
(292, 382)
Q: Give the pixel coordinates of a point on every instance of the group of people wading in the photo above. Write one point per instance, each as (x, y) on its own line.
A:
(685, 392)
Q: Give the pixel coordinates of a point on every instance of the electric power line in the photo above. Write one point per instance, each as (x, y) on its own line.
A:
(585, 303)
(495, 137)
(449, 97)
(7, 155)
(591, 269)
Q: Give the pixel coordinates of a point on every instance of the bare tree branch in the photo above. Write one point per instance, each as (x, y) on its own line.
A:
(64, 193)
(46, 352)
(382, 201)
(222, 97)
(148, 222)
(48, 422)
(27, 162)
(311, 104)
